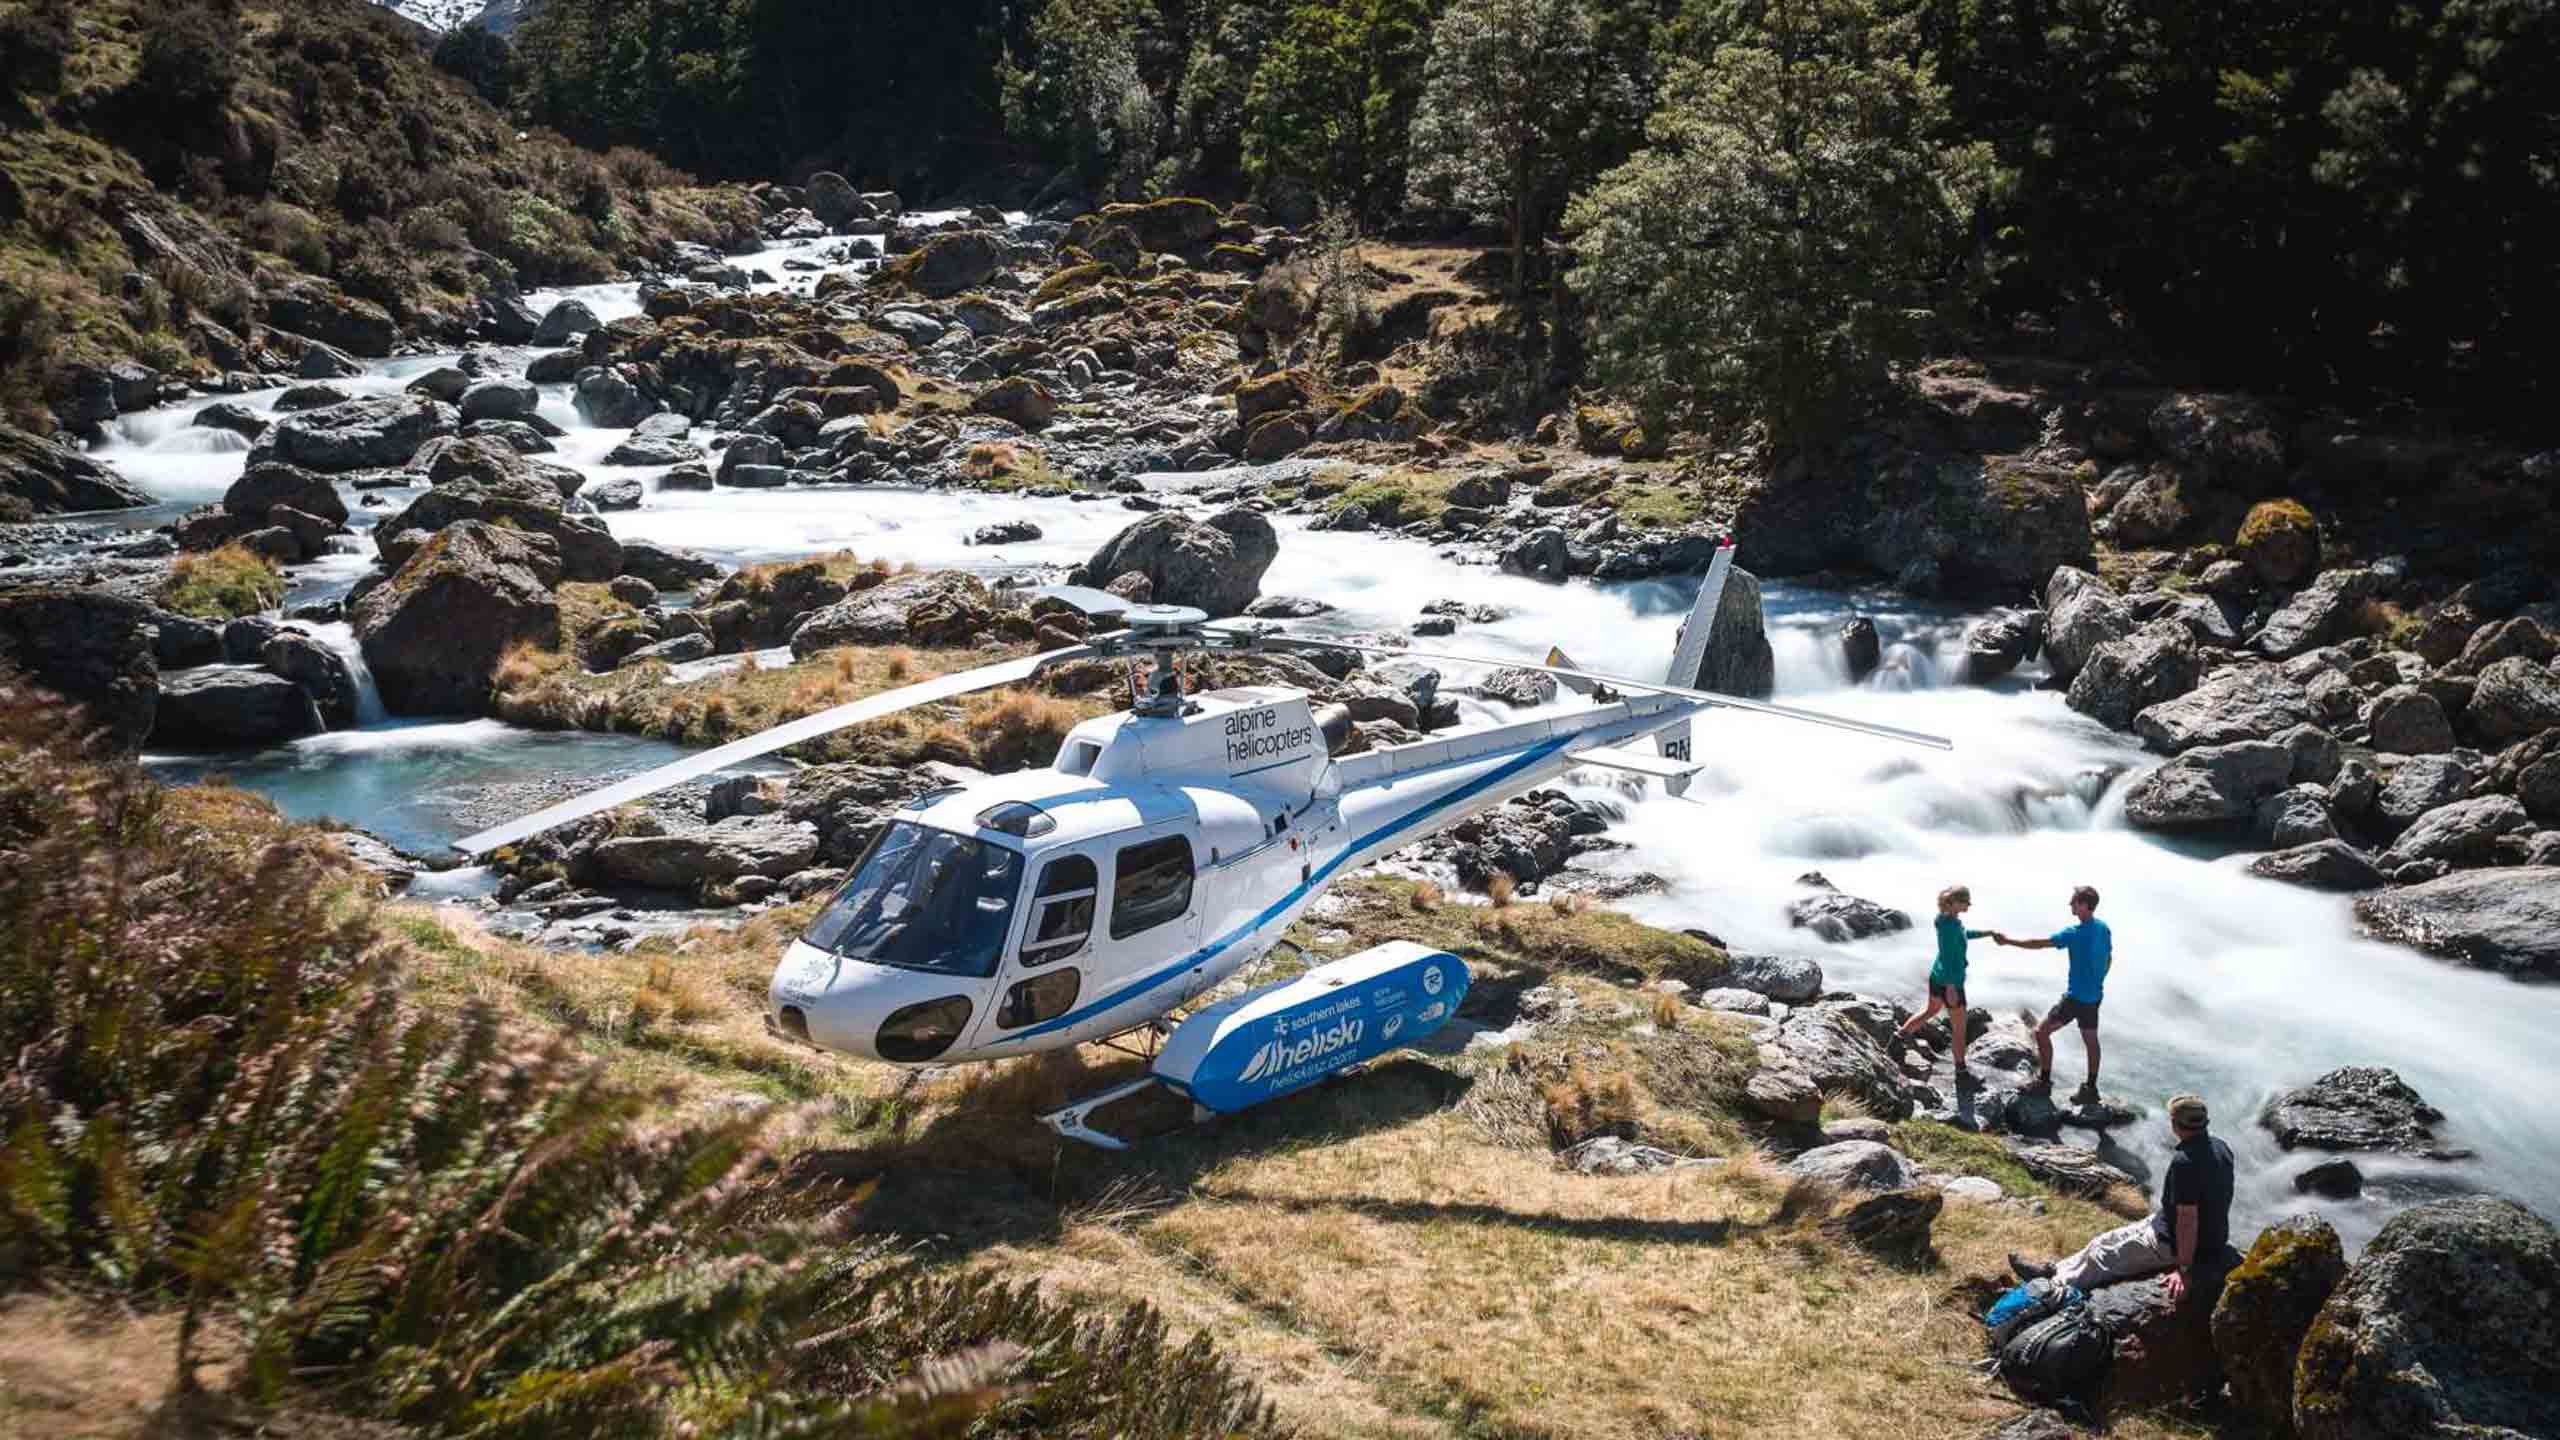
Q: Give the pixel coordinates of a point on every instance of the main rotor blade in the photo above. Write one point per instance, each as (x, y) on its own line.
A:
(765, 742)
(1650, 687)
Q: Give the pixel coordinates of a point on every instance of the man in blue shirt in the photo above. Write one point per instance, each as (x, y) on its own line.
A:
(2092, 950)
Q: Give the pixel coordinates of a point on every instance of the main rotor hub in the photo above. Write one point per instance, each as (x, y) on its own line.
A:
(1155, 618)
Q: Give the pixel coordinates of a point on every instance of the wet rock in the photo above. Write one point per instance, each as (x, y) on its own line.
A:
(184, 641)
(2444, 1327)
(1540, 554)
(2214, 785)
(2405, 720)
(2242, 702)
(690, 858)
(2267, 1305)
(1215, 566)
(433, 632)
(2320, 865)
(1518, 688)
(617, 495)
(1005, 532)
(478, 480)
(55, 479)
(326, 315)
(1788, 979)
(298, 398)
(834, 201)
(2354, 1107)
(499, 399)
(91, 648)
(217, 708)
(947, 607)
(233, 416)
(2000, 642)
(1852, 1165)
(2317, 757)
(565, 322)
(2081, 614)
(2516, 697)
(1738, 659)
(2463, 833)
(1841, 918)
(1286, 607)
(2506, 919)
(2337, 1179)
(674, 651)
(320, 671)
(2067, 1168)
(608, 401)
(372, 434)
(262, 488)
(2159, 662)
(2322, 614)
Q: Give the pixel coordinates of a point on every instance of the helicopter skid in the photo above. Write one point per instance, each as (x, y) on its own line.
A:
(1069, 1120)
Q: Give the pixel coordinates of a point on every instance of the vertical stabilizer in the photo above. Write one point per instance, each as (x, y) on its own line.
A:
(1692, 650)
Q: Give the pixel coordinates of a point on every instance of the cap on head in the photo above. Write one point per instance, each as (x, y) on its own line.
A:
(2188, 1112)
(2085, 895)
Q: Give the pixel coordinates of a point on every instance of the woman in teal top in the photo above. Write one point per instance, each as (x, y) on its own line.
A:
(1946, 977)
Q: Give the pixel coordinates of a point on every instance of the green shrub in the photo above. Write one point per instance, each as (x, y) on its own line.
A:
(223, 584)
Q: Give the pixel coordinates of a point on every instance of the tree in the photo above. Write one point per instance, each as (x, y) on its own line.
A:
(1333, 101)
(482, 58)
(1084, 95)
(1504, 92)
(1763, 257)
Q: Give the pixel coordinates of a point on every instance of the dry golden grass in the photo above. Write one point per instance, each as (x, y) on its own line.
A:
(1667, 1010)
(1499, 888)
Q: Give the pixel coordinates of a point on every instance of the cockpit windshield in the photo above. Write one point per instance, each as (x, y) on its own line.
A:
(924, 899)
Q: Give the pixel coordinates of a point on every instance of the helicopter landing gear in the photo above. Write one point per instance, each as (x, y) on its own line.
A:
(1069, 1119)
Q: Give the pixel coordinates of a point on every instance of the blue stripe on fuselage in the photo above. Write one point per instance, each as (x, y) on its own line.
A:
(1144, 983)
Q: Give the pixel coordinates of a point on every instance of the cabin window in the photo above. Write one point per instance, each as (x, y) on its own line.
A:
(924, 899)
(1062, 910)
(1042, 997)
(1078, 757)
(1151, 884)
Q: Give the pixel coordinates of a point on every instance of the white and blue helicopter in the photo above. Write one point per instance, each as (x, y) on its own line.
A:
(1167, 848)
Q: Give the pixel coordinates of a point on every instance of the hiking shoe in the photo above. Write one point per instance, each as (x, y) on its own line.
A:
(2041, 1085)
(2026, 1269)
(2087, 1094)
(1966, 1079)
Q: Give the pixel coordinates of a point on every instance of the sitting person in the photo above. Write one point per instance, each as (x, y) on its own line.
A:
(2192, 1221)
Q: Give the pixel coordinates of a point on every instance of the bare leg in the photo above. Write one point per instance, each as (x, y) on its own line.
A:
(1912, 1026)
(2044, 1052)
(1955, 1022)
(2090, 1039)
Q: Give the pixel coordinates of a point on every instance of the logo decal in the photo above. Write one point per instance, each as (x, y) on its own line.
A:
(1388, 1030)
(1431, 1012)
(1431, 980)
(1276, 1057)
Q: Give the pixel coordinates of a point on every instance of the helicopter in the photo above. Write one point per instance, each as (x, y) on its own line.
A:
(1167, 848)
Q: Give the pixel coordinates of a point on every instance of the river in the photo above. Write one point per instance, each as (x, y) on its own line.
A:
(2223, 983)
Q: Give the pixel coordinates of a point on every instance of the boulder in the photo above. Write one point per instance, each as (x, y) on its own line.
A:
(1277, 437)
(2241, 702)
(2445, 1327)
(1021, 399)
(607, 401)
(500, 400)
(333, 318)
(1787, 979)
(2000, 642)
(690, 858)
(2464, 833)
(2280, 543)
(1852, 1165)
(445, 383)
(1965, 527)
(2066, 1168)
(2516, 697)
(2121, 678)
(379, 433)
(233, 416)
(2295, 816)
(262, 488)
(2323, 613)
(2081, 614)
(2507, 919)
(91, 648)
(1542, 553)
(320, 671)
(2320, 865)
(1738, 658)
(57, 480)
(2503, 640)
(2354, 1107)
(834, 201)
(1841, 918)
(1518, 688)
(218, 708)
(1841, 1046)
(2420, 784)
(2317, 757)
(184, 641)
(2211, 786)
(665, 566)
(2405, 720)
(675, 651)
(1783, 1094)
(434, 631)
(940, 607)
(2337, 1179)
(1861, 650)
(2228, 441)
(2162, 1345)
(2267, 1305)
(564, 322)
(949, 263)
(1216, 566)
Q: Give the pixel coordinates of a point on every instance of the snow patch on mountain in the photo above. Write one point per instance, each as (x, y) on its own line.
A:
(453, 14)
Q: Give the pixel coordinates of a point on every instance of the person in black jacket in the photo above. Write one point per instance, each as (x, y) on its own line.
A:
(2192, 1221)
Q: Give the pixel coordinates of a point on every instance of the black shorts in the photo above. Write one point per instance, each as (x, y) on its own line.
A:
(2066, 1008)
(1953, 995)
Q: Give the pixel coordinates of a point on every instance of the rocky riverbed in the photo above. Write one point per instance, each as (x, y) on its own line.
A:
(2220, 741)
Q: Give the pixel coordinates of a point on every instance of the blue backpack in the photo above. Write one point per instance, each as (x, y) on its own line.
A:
(2025, 1305)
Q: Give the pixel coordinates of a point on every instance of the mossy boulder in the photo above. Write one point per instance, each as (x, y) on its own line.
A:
(2280, 541)
(1178, 223)
(2267, 1306)
(948, 263)
(1281, 390)
(1021, 399)
(2445, 1327)
(434, 632)
(1070, 280)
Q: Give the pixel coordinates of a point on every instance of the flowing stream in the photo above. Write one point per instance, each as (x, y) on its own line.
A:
(2229, 985)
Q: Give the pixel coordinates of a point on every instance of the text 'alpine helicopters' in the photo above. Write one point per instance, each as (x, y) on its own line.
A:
(1165, 849)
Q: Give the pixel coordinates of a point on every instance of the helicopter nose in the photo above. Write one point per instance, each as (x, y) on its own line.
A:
(902, 1016)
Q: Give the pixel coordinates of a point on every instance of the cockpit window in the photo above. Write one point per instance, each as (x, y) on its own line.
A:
(924, 899)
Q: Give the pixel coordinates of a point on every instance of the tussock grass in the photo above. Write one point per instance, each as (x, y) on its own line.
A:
(223, 584)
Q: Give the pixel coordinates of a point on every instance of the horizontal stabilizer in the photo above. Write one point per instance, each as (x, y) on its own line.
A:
(1638, 762)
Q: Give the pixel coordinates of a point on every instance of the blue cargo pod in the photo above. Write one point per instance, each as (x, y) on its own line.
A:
(1290, 1034)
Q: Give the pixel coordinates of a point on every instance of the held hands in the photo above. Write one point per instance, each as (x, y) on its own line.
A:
(2176, 1285)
